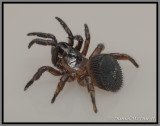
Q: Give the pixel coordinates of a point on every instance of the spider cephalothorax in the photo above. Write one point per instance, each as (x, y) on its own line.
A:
(101, 70)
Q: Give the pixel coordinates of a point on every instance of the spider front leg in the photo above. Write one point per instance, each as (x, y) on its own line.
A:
(43, 35)
(60, 86)
(87, 41)
(68, 31)
(39, 73)
(42, 42)
(119, 56)
(70, 35)
(80, 42)
(98, 50)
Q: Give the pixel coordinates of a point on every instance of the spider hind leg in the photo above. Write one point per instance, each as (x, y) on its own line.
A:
(119, 56)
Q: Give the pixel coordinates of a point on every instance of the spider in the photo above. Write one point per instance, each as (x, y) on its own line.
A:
(101, 70)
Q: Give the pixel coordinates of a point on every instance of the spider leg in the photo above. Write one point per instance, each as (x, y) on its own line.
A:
(97, 50)
(119, 56)
(84, 81)
(87, 41)
(92, 93)
(71, 78)
(68, 31)
(43, 35)
(54, 53)
(39, 73)
(42, 42)
(60, 86)
(80, 42)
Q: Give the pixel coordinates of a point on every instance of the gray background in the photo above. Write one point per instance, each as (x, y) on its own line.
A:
(124, 101)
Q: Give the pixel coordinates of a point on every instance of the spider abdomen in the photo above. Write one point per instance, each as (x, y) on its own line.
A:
(105, 72)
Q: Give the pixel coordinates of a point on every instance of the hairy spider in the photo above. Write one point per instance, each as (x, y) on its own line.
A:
(101, 70)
